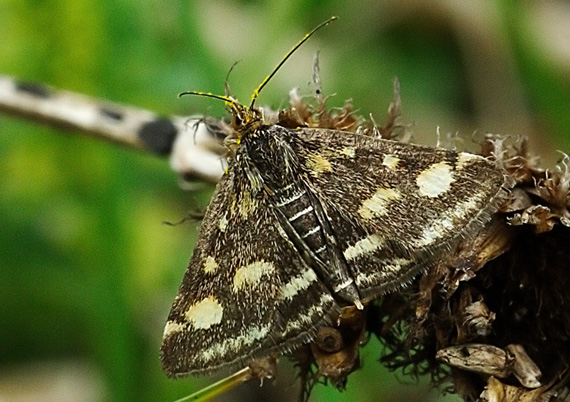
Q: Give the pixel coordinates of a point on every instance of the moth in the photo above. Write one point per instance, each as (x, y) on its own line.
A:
(306, 221)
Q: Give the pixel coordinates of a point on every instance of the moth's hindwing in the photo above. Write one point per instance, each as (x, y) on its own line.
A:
(394, 208)
(246, 293)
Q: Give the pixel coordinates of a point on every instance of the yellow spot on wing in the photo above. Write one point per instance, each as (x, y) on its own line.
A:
(298, 283)
(444, 228)
(223, 222)
(318, 164)
(377, 205)
(389, 269)
(435, 232)
(247, 204)
(435, 180)
(234, 342)
(465, 159)
(205, 313)
(307, 319)
(363, 247)
(251, 274)
(348, 151)
(390, 161)
(210, 265)
(171, 328)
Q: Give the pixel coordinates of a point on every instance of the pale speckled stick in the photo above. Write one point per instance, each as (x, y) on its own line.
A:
(193, 150)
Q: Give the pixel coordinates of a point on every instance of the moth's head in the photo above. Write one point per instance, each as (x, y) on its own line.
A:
(244, 119)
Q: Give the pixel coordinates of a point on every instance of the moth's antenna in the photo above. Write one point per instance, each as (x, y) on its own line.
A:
(278, 66)
(227, 99)
(227, 82)
(237, 107)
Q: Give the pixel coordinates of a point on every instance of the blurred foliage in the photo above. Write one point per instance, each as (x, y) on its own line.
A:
(88, 272)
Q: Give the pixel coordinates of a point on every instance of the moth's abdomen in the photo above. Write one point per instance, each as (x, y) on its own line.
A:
(295, 205)
(304, 223)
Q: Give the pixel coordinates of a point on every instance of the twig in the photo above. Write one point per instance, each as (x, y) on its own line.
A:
(194, 151)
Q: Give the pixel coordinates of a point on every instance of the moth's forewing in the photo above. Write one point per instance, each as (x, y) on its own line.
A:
(246, 293)
(396, 208)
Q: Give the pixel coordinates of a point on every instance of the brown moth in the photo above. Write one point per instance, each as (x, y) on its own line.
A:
(306, 221)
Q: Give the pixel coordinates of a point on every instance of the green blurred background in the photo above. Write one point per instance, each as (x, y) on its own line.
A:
(88, 270)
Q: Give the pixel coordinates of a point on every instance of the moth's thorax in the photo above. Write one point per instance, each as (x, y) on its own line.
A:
(268, 149)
